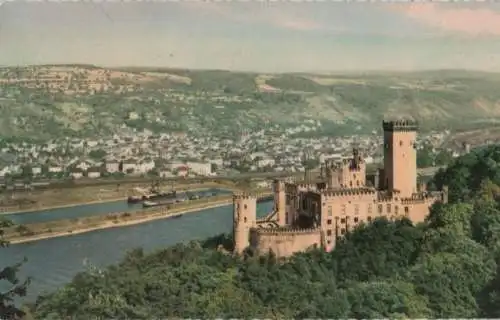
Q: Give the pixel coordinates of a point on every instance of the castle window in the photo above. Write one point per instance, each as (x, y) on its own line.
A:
(342, 231)
(356, 220)
(343, 209)
(370, 208)
(356, 209)
(245, 219)
(329, 221)
(400, 143)
(407, 210)
(357, 183)
(329, 242)
(388, 208)
(330, 211)
(396, 210)
(286, 216)
(369, 219)
(380, 209)
(304, 204)
(350, 184)
(342, 220)
(328, 232)
(245, 206)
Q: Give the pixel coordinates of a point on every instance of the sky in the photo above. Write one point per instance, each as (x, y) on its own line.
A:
(261, 36)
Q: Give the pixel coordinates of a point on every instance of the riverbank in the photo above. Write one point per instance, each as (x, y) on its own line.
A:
(60, 228)
(87, 200)
(108, 225)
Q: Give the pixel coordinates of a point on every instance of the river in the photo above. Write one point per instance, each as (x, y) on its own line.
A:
(54, 262)
(94, 209)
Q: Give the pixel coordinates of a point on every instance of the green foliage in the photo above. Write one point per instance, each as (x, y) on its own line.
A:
(345, 104)
(97, 154)
(9, 280)
(467, 175)
(445, 267)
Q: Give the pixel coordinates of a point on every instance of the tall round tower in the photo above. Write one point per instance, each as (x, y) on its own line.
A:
(244, 218)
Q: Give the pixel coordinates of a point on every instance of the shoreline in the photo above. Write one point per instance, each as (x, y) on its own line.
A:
(62, 206)
(102, 201)
(110, 224)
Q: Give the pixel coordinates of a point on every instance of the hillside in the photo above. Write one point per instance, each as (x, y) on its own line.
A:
(84, 100)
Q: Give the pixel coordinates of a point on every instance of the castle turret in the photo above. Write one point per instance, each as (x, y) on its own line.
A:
(244, 218)
(280, 202)
(400, 156)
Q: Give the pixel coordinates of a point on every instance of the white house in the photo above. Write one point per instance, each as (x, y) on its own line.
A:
(145, 166)
(76, 173)
(84, 165)
(55, 168)
(94, 172)
(112, 166)
(129, 165)
(200, 168)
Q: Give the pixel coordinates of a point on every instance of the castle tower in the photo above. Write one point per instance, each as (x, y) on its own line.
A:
(400, 156)
(244, 218)
(332, 179)
(280, 202)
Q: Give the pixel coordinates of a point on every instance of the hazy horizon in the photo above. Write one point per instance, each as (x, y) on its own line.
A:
(273, 37)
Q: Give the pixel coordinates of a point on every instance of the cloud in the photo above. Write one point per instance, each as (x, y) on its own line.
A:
(465, 20)
(257, 13)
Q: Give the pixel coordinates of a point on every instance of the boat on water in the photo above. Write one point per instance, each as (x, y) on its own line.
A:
(161, 196)
(152, 197)
(177, 216)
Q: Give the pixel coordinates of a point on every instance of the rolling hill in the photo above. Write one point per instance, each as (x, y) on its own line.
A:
(84, 100)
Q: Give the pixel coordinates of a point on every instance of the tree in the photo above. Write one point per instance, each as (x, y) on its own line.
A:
(444, 267)
(97, 154)
(8, 310)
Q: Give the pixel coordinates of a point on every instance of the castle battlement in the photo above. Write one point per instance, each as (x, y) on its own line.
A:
(348, 192)
(342, 195)
(420, 198)
(400, 125)
(306, 186)
(277, 232)
(244, 196)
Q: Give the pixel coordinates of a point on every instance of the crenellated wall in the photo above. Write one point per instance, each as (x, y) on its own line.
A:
(284, 242)
(341, 203)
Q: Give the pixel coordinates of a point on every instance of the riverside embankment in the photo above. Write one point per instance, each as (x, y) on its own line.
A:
(66, 227)
(48, 199)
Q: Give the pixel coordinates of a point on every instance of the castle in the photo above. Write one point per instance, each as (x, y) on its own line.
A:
(318, 214)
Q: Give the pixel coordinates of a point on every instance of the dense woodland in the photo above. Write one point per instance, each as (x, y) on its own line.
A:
(446, 267)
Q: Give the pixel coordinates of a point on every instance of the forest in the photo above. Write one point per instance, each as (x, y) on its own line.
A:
(446, 267)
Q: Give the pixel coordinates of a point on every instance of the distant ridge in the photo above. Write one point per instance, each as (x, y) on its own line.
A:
(85, 99)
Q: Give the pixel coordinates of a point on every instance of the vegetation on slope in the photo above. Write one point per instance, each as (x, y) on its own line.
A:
(53, 101)
(443, 268)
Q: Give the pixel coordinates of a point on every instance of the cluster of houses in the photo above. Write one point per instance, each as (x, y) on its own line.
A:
(97, 169)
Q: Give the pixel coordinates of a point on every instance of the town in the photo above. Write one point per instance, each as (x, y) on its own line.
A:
(180, 155)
